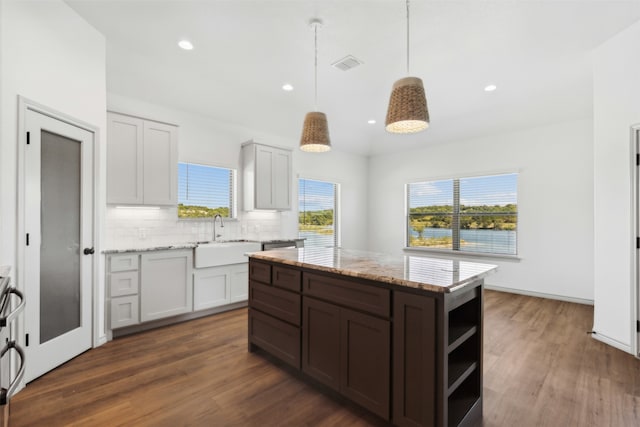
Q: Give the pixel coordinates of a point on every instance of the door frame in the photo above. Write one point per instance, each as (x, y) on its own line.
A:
(25, 105)
(635, 226)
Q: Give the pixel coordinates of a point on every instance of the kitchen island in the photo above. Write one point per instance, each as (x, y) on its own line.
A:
(399, 335)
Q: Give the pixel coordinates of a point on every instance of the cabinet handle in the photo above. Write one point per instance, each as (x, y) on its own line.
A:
(4, 285)
(5, 319)
(6, 393)
(89, 251)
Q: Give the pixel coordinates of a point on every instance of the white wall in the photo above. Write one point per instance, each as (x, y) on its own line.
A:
(555, 201)
(53, 57)
(616, 108)
(205, 140)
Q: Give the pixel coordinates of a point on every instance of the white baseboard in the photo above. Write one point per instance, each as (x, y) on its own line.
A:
(610, 341)
(539, 294)
(116, 333)
(101, 340)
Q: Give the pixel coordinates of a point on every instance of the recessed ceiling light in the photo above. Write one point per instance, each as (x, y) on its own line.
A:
(185, 44)
(371, 122)
(287, 87)
(490, 88)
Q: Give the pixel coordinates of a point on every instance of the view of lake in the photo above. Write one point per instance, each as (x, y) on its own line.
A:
(493, 241)
(316, 239)
(488, 241)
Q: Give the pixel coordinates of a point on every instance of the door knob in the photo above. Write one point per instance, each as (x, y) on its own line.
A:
(89, 251)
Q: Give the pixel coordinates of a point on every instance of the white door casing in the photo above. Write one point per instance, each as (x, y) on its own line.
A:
(635, 137)
(44, 356)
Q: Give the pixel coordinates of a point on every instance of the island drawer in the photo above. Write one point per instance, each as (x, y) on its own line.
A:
(260, 271)
(282, 304)
(286, 278)
(351, 294)
(280, 339)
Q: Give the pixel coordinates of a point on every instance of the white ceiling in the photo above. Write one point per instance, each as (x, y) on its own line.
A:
(536, 52)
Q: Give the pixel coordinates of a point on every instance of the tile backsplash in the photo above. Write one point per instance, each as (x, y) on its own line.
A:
(138, 227)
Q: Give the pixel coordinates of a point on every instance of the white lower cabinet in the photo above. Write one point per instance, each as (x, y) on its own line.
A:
(153, 285)
(216, 286)
(211, 287)
(165, 284)
(239, 282)
(122, 283)
(124, 311)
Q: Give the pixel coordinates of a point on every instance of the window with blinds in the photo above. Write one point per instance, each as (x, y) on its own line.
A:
(317, 212)
(478, 214)
(204, 191)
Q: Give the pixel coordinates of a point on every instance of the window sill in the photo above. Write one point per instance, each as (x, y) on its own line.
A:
(449, 252)
(206, 219)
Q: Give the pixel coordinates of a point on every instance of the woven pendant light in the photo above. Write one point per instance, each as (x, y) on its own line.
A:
(407, 112)
(315, 133)
(315, 130)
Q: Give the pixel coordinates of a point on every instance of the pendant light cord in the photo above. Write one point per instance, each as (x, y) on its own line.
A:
(407, 37)
(315, 83)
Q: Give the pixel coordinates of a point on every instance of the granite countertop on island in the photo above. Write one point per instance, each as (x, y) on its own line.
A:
(419, 272)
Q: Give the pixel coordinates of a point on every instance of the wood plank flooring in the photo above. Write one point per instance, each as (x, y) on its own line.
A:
(540, 369)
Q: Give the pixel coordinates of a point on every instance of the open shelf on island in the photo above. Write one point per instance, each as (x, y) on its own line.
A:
(463, 392)
(458, 373)
(459, 334)
(464, 359)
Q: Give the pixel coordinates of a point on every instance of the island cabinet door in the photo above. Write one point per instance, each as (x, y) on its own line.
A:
(278, 338)
(321, 341)
(414, 361)
(365, 365)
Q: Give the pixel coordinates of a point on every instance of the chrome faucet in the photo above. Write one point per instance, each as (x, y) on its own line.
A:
(214, 226)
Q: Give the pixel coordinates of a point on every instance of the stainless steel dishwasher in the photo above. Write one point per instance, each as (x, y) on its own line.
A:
(282, 244)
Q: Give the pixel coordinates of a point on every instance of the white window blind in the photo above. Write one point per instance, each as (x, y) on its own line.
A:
(477, 214)
(317, 212)
(204, 191)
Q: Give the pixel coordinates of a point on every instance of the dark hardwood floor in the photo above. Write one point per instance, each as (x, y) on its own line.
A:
(540, 369)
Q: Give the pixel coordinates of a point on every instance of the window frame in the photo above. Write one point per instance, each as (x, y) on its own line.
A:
(452, 251)
(234, 191)
(337, 237)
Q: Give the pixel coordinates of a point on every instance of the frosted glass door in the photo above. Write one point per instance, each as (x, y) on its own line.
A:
(60, 245)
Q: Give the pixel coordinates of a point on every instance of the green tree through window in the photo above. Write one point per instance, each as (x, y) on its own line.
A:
(478, 214)
(204, 191)
(317, 219)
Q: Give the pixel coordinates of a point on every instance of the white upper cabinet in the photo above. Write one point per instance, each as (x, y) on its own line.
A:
(160, 172)
(124, 159)
(281, 173)
(263, 188)
(266, 177)
(142, 161)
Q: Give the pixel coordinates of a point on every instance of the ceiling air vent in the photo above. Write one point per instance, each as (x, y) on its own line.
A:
(347, 63)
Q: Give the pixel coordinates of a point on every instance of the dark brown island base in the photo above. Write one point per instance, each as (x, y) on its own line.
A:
(399, 335)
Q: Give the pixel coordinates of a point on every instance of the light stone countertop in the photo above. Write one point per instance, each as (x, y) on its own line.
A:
(418, 272)
(191, 245)
(150, 248)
